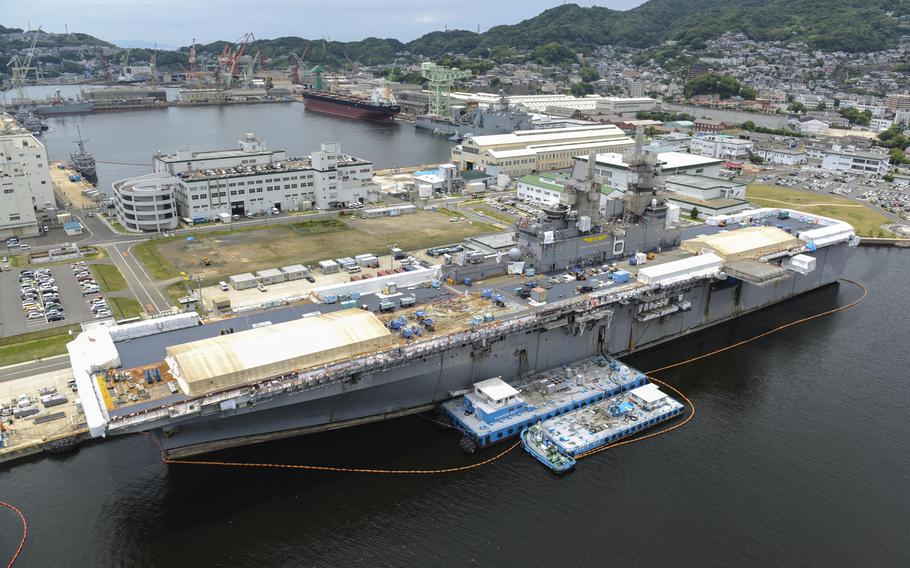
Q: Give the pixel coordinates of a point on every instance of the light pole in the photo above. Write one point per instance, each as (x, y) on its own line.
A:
(392, 256)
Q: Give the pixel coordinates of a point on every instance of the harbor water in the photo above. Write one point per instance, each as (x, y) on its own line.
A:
(123, 142)
(797, 457)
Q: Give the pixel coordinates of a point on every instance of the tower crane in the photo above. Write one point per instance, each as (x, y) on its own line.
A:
(440, 84)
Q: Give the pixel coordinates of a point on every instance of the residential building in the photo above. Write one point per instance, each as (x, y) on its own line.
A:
(709, 125)
(902, 117)
(782, 156)
(527, 151)
(25, 181)
(880, 124)
(246, 181)
(721, 146)
(704, 196)
(898, 101)
(856, 162)
(612, 170)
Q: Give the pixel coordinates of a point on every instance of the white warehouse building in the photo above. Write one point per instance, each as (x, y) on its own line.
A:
(612, 170)
(25, 181)
(252, 181)
(721, 146)
(864, 163)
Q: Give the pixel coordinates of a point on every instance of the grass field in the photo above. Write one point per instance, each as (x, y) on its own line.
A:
(865, 220)
(108, 277)
(124, 308)
(38, 344)
(255, 248)
(490, 212)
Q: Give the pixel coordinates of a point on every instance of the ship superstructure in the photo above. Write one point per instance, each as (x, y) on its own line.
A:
(82, 160)
(618, 279)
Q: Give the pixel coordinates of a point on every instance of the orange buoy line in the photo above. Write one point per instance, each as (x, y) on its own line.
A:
(490, 460)
(24, 532)
(501, 454)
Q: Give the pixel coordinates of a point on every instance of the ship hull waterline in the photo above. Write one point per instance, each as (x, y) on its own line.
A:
(422, 384)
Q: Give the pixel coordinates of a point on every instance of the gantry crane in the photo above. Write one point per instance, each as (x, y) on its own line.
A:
(440, 84)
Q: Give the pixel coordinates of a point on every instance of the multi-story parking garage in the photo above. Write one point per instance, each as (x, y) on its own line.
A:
(146, 203)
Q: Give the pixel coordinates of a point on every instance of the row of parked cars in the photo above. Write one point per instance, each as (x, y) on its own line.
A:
(99, 308)
(85, 279)
(40, 296)
(97, 305)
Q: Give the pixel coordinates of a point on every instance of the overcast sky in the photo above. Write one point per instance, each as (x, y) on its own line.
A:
(177, 22)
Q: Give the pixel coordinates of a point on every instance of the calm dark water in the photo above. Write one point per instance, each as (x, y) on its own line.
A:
(133, 137)
(798, 456)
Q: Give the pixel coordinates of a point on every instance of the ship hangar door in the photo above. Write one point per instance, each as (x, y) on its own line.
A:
(238, 208)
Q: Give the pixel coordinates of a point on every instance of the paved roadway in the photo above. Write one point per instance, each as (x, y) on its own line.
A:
(31, 368)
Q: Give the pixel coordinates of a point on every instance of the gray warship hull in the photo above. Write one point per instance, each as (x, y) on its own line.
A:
(422, 383)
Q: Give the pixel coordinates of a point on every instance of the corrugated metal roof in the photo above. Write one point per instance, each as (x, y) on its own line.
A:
(257, 354)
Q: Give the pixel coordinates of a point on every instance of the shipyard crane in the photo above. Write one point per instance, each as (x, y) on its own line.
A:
(440, 84)
(229, 60)
(153, 67)
(105, 69)
(317, 72)
(298, 63)
(20, 67)
(191, 59)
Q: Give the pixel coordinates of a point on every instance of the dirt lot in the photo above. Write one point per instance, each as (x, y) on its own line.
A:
(233, 252)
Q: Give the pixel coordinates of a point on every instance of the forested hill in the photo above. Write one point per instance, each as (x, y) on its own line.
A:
(831, 25)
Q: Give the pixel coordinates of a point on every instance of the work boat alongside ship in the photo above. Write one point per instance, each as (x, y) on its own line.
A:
(635, 279)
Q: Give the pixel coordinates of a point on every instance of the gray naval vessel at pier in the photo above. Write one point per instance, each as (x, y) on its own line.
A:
(201, 386)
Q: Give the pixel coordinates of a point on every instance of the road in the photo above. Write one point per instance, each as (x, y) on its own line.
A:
(22, 370)
(137, 279)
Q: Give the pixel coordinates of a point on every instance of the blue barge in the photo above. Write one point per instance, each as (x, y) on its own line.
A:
(557, 442)
(496, 411)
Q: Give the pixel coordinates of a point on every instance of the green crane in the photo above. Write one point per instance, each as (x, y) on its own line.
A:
(317, 72)
(440, 85)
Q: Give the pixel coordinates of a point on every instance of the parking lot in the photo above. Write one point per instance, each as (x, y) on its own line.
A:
(892, 197)
(12, 315)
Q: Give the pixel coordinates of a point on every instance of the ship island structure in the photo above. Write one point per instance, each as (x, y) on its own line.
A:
(479, 325)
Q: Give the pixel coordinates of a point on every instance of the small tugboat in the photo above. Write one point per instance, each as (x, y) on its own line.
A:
(82, 161)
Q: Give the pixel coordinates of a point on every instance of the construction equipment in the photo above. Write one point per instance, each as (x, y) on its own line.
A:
(298, 63)
(192, 61)
(229, 60)
(19, 68)
(206, 261)
(317, 72)
(440, 84)
(153, 67)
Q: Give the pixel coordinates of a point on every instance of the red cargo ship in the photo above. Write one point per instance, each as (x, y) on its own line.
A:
(378, 108)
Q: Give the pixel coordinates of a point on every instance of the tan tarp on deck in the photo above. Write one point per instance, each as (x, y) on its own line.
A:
(257, 354)
(751, 242)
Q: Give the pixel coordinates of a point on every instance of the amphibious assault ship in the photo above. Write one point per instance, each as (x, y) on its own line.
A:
(608, 278)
